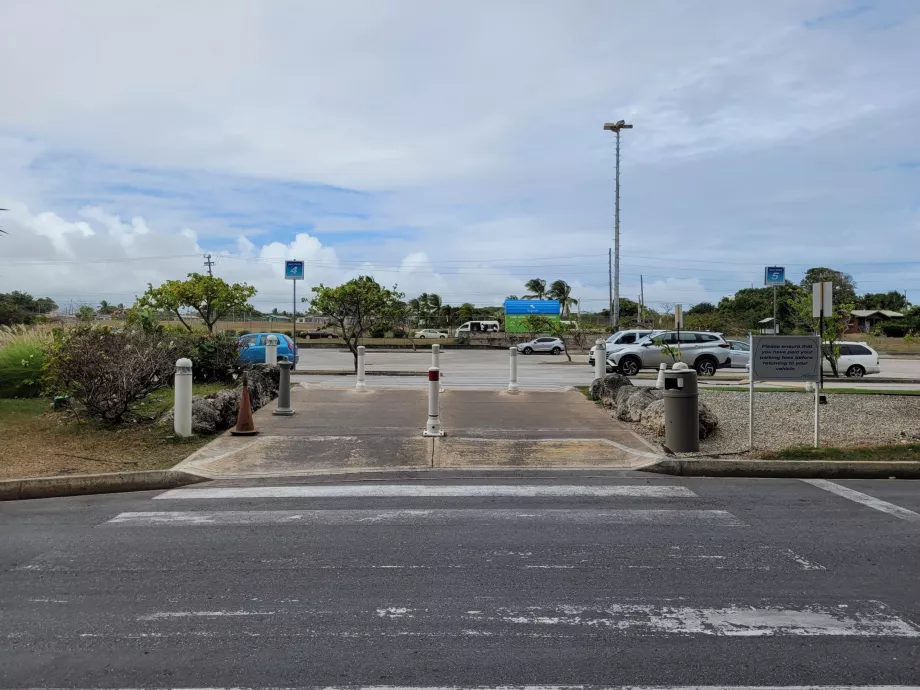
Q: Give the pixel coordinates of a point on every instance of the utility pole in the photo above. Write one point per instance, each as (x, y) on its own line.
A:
(616, 127)
(209, 264)
(641, 301)
(610, 282)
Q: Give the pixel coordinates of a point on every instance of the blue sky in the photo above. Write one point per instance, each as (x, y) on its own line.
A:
(459, 149)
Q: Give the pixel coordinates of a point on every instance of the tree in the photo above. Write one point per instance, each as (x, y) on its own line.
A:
(892, 300)
(21, 307)
(213, 298)
(835, 324)
(357, 307)
(105, 307)
(434, 310)
(537, 324)
(86, 314)
(536, 287)
(512, 297)
(844, 285)
(465, 312)
(702, 308)
(562, 291)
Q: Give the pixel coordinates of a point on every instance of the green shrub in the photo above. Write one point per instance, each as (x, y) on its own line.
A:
(20, 370)
(214, 356)
(895, 330)
(244, 332)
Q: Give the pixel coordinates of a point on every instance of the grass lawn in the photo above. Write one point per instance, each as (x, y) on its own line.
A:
(903, 451)
(38, 442)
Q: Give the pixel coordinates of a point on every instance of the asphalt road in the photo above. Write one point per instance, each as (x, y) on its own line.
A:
(570, 579)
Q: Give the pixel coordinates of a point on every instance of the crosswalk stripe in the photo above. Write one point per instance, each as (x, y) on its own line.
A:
(431, 491)
(720, 518)
(546, 687)
(865, 499)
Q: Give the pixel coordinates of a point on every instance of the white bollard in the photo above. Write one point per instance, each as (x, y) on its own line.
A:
(436, 356)
(659, 384)
(600, 358)
(271, 350)
(360, 385)
(433, 427)
(512, 376)
(182, 410)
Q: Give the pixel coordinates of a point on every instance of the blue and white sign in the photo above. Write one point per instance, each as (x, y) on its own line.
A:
(293, 270)
(774, 275)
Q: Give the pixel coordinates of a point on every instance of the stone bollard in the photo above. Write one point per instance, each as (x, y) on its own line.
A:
(512, 374)
(360, 385)
(182, 412)
(600, 358)
(284, 408)
(271, 350)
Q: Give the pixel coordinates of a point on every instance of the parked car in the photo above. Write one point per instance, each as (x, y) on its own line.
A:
(318, 335)
(706, 352)
(553, 345)
(619, 340)
(740, 353)
(856, 360)
(252, 348)
(429, 333)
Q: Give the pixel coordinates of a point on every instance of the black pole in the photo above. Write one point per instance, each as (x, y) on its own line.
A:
(822, 398)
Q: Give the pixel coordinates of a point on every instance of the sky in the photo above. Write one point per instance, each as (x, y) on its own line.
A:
(457, 148)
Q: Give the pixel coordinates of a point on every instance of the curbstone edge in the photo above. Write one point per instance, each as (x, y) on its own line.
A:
(83, 484)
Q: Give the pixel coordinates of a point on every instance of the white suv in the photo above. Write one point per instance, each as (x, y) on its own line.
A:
(619, 340)
(706, 352)
(856, 360)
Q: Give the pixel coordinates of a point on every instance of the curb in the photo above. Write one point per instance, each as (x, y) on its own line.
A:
(791, 469)
(83, 484)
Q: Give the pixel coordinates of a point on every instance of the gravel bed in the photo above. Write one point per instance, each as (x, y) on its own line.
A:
(787, 419)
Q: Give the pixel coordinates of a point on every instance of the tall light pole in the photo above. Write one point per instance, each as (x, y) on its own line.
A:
(615, 307)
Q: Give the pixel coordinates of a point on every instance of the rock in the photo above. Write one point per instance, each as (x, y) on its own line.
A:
(205, 420)
(623, 394)
(631, 411)
(607, 387)
(652, 419)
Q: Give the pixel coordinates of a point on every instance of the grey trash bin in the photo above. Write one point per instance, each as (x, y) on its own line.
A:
(681, 411)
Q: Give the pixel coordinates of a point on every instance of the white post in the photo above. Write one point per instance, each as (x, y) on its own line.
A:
(271, 350)
(435, 356)
(600, 358)
(360, 385)
(818, 413)
(433, 427)
(751, 393)
(659, 383)
(512, 375)
(182, 410)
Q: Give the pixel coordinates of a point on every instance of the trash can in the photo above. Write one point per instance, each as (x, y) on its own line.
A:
(681, 411)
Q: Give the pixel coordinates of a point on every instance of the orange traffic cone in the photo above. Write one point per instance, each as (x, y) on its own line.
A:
(245, 426)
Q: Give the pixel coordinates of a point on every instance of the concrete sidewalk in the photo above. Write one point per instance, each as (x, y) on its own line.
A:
(343, 431)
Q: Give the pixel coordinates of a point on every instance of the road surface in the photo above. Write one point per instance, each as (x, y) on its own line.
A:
(612, 580)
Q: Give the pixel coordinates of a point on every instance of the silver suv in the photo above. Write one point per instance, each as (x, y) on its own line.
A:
(619, 340)
(706, 352)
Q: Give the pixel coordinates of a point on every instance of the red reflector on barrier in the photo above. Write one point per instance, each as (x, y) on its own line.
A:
(434, 375)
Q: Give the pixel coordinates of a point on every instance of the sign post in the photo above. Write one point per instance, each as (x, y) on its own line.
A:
(774, 275)
(293, 270)
(822, 303)
(784, 358)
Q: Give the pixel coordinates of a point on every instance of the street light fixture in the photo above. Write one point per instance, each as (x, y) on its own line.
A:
(615, 307)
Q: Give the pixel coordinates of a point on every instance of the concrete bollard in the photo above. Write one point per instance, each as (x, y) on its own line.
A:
(284, 408)
(436, 356)
(360, 385)
(659, 384)
(182, 408)
(512, 375)
(600, 358)
(433, 427)
(271, 350)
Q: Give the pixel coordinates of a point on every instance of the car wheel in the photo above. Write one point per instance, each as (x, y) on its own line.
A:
(421, 337)
(856, 372)
(706, 366)
(629, 366)
(556, 350)
(528, 350)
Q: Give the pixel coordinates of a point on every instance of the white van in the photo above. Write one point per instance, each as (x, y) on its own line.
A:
(621, 339)
(478, 327)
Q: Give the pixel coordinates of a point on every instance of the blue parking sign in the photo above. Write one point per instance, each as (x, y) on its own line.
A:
(774, 275)
(293, 270)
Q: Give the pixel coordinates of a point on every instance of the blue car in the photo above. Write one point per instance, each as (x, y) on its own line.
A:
(252, 348)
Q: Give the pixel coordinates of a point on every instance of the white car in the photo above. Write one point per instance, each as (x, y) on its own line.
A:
(546, 344)
(740, 353)
(429, 333)
(619, 340)
(856, 360)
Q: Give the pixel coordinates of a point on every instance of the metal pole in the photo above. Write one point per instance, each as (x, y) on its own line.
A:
(751, 393)
(616, 245)
(512, 375)
(610, 282)
(284, 391)
(641, 301)
(182, 408)
(775, 325)
(294, 327)
(360, 385)
(818, 413)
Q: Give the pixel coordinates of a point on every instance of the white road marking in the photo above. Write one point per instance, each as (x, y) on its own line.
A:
(865, 499)
(479, 633)
(160, 615)
(804, 562)
(864, 619)
(431, 491)
(720, 518)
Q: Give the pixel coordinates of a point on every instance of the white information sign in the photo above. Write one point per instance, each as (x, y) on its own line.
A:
(786, 358)
(822, 296)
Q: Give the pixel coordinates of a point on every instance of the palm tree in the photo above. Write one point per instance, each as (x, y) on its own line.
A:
(415, 309)
(105, 307)
(423, 309)
(512, 297)
(537, 288)
(562, 291)
(434, 308)
(449, 313)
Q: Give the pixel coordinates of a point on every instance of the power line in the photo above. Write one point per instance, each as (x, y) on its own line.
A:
(209, 264)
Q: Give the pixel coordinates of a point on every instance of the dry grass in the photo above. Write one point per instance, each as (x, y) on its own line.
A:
(37, 336)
